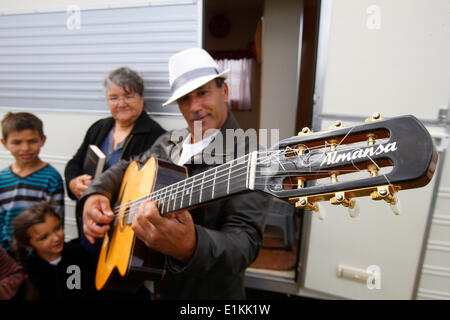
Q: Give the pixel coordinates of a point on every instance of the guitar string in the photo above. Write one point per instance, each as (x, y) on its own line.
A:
(259, 161)
(227, 166)
(158, 193)
(185, 181)
(163, 202)
(161, 198)
(134, 206)
(190, 184)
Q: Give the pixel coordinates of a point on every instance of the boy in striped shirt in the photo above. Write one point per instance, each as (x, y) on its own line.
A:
(28, 180)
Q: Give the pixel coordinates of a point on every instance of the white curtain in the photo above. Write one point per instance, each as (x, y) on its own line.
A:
(239, 82)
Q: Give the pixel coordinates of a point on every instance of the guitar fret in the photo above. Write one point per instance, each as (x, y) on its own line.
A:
(247, 174)
(163, 201)
(168, 198)
(201, 188)
(229, 176)
(252, 175)
(192, 191)
(214, 184)
(175, 197)
(158, 199)
(182, 194)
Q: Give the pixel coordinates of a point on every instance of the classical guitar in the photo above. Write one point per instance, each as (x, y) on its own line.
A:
(377, 159)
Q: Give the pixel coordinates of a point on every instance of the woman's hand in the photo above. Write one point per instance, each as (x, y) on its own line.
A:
(79, 184)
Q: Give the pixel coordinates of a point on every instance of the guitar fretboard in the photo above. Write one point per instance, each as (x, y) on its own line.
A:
(233, 177)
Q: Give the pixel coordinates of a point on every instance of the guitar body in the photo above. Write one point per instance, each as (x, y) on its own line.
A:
(125, 261)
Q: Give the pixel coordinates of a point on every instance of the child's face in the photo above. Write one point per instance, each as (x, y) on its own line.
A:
(47, 238)
(24, 145)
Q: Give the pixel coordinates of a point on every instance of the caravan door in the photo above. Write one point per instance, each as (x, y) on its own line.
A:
(392, 58)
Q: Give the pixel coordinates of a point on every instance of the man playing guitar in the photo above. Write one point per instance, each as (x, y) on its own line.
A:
(207, 248)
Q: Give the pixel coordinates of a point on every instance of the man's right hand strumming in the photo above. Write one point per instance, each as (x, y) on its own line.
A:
(97, 214)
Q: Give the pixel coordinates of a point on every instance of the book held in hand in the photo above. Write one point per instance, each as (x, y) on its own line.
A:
(94, 161)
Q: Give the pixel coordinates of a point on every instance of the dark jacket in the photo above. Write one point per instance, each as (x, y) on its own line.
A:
(71, 278)
(141, 138)
(229, 232)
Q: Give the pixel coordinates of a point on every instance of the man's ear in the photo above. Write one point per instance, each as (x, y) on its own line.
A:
(225, 92)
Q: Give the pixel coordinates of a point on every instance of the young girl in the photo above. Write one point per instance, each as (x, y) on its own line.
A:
(58, 270)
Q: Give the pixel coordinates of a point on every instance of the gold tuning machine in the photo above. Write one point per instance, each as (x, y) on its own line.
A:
(337, 125)
(334, 142)
(384, 192)
(373, 170)
(334, 176)
(340, 198)
(375, 117)
(303, 202)
(302, 148)
(300, 182)
(388, 194)
(371, 138)
(305, 130)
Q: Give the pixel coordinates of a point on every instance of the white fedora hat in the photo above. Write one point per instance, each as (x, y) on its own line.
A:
(190, 69)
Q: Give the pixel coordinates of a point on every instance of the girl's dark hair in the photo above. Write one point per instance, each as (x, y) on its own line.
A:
(25, 220)
(20, 121)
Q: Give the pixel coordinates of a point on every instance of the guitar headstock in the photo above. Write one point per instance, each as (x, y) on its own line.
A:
(377, 159)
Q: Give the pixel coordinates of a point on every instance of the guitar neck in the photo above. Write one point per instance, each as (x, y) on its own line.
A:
(225, 180)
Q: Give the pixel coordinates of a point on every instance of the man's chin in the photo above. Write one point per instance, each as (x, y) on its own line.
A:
(202, 127)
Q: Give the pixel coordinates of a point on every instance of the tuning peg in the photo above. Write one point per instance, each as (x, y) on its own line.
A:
(304, 203)
(353, 211)
(333, 176)
(353, 207)
(388, 194)
(334, 142)
(371, 139)
(395, 205)
(375, 117)
(320, 213)
(382, 193)
(337, 125)
(305, 130)
(373, 170)
(300, 182)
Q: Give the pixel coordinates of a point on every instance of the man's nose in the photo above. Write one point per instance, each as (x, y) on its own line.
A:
(194, 104)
